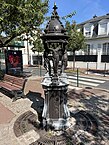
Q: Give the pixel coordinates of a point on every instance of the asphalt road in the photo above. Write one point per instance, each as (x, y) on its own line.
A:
(104, 85)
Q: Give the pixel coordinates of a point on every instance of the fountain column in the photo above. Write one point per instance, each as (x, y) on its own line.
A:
(55, 83)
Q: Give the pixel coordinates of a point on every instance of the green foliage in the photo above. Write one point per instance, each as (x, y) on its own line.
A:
(20, 16)
(69, 16)
(76, 38)
(37, 42)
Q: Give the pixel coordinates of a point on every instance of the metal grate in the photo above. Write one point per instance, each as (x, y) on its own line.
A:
(45, 141)
(86, 122)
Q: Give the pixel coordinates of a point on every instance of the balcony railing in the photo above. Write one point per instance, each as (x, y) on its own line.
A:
(87, 34)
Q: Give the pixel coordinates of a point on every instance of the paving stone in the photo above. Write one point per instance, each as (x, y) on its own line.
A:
(5, 114)
(29, 137)
(7, 136)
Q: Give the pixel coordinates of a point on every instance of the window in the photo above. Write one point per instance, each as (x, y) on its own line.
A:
(87, 31)
(91, 50)
(88, 49)
(103, 29)
(99, 45)
(105, 50)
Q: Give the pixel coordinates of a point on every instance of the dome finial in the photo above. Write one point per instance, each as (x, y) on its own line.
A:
(54, 13)
(55, 7)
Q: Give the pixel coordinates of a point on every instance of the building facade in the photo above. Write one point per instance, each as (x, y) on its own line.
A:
(96, 54)
(96, 32)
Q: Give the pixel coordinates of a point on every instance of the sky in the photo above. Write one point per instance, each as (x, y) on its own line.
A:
(85, 9)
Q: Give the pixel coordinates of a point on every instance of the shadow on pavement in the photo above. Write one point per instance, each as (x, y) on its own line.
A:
(8, 94)
(95, 102)
(38, 103)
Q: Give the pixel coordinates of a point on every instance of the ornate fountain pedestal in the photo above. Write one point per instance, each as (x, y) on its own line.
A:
(55, 84)
(55, 113)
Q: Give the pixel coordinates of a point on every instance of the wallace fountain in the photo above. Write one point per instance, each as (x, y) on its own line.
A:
(55, 84)
(56, 125)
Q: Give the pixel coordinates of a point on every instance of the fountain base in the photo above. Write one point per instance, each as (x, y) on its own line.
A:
(55, 113)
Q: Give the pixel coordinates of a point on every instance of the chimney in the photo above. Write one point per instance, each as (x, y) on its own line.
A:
(94, 16)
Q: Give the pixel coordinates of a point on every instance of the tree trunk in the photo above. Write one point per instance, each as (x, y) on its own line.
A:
(38, 59)
(73, 60)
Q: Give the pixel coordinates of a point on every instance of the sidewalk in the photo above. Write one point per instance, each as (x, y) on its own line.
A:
(12, 110)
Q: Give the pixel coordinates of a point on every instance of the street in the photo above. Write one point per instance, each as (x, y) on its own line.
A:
(91, 80)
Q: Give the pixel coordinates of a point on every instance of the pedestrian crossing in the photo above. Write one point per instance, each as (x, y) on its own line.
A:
(85, 81)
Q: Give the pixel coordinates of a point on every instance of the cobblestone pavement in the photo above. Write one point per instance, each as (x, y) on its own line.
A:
(7, 135)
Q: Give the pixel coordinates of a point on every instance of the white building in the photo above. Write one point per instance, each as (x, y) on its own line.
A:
(96, 32)
(29, 57)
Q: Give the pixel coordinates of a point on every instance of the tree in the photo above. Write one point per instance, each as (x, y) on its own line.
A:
(76, 39)
(20, 16)
(37, 44)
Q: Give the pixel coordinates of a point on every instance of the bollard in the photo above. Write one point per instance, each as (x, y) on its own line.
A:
(77, 78)
(87, 67)
(0, 65)
(40, 70)
(105, 69)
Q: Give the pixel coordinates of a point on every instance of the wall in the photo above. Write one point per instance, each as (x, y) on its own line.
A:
(89, 65)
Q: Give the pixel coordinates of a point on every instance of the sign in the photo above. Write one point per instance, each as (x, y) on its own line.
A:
(13, 60)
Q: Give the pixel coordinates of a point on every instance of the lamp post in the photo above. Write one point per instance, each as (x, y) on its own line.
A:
(55, 83)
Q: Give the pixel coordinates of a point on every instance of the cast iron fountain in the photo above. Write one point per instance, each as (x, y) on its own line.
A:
(55, 84)
(55, 116)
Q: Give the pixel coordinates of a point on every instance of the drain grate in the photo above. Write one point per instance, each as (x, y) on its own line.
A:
(50, 141)
(86, 122)
(22, 124)
(45, 142)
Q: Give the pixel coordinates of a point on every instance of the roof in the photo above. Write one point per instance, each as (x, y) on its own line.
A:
(95, 19)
